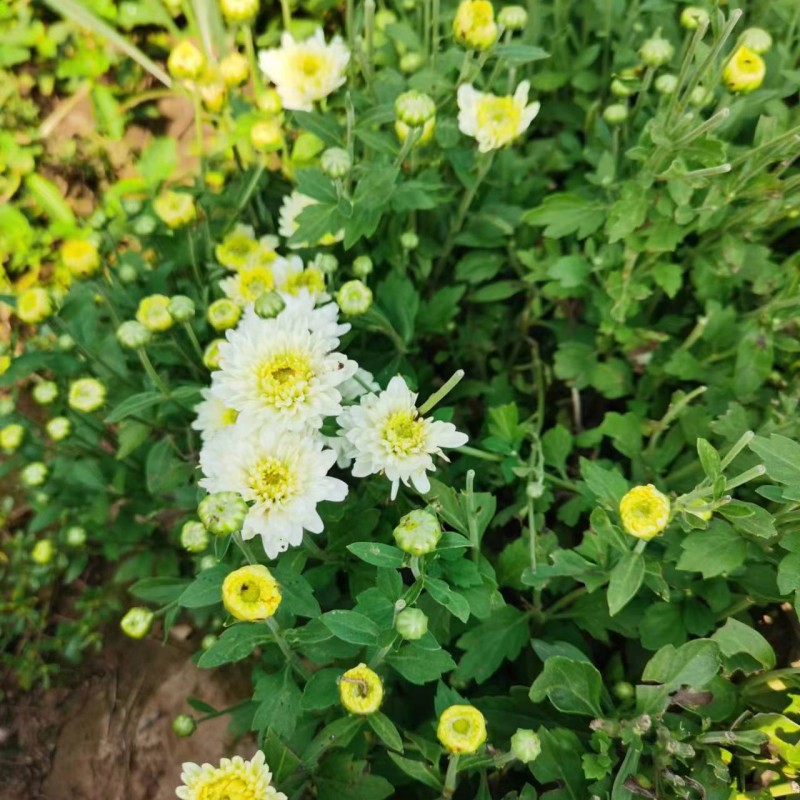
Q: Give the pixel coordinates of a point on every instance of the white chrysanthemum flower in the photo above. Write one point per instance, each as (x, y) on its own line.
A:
(494, 121)
(363, 381)
(293, 204)
(301, 310)
(213, 415)
(292, 278)
(233, 778)
(305, 71)
(390, 437)
(282, 474)
(279, 372)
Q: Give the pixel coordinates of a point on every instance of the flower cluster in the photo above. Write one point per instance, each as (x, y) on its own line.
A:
(280, 376)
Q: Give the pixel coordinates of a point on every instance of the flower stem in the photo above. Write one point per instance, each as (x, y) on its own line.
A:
(290, 655)
(450, 778)
(151, 372)
(441, 393)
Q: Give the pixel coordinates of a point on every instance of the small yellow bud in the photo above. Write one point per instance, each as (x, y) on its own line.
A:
(80, 257)
(745, 71)
(185, 62)
(153, 313)
(461, 729)
(234, 68)
(361, 690)
(645, 512)
(474, 26)
(251, 593)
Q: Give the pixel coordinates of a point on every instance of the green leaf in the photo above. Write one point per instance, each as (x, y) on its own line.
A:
(419, 665)
(350, 626)
(420, 772)
(378, 554)
(501, 637)
(520, 53)
(607, 485)
(781, 457)
(560, 763)
(205, 589)
(709, 458)
(159, 590)
(297, 592)
(716, 551)
(338, 733)
(322, 690)
(625, 580)
(158, 161)
(789, 573)
(133, 405)
(573, 687)
(735, 639)
(279, 705)
(754, 358)
(455, 603)
(692, 664)
(399, 300)
(563, 214)
(385, 730)
(236, 643)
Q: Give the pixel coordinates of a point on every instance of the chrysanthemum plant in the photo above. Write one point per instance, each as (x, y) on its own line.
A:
(543, 245)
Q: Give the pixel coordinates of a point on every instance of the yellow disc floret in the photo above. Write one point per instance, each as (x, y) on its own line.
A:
(361, 690)
(271, 481)
(251, 593)
(644, 511)
(404, 433)
(284, 379)
(461, 729)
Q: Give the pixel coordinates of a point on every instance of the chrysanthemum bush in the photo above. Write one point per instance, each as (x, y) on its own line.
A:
(455, 397)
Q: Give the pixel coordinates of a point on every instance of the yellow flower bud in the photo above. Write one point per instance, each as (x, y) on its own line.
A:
(251, 593)
(267, 135)
(461, 729)
(745, 71)
(80, 257)
(239, 10)
(234, 69)
(34, 305)
(211, 354)
(474, 25)
(185, 62)
(153, 313)
(223, 314)
(644, 511)
(175, 209)
(361, 690)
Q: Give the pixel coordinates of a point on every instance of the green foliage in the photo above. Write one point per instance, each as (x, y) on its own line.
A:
(621, 297)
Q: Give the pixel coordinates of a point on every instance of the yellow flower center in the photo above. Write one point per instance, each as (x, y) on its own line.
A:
(500, 117)
(311, 279)
(461, 726)
(271, 481)
(227, 787)
(284, 380)
(256, 281)
(308, 64)
(404, 433)
(249, 592)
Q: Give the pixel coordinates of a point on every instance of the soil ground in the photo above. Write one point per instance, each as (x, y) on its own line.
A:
(109, 736)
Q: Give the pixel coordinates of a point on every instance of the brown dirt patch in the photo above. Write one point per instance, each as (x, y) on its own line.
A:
(109, 737)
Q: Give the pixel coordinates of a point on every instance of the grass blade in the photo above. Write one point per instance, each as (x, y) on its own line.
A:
(71, 9)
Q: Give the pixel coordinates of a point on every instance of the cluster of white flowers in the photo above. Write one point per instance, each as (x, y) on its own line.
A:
(280, 378)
